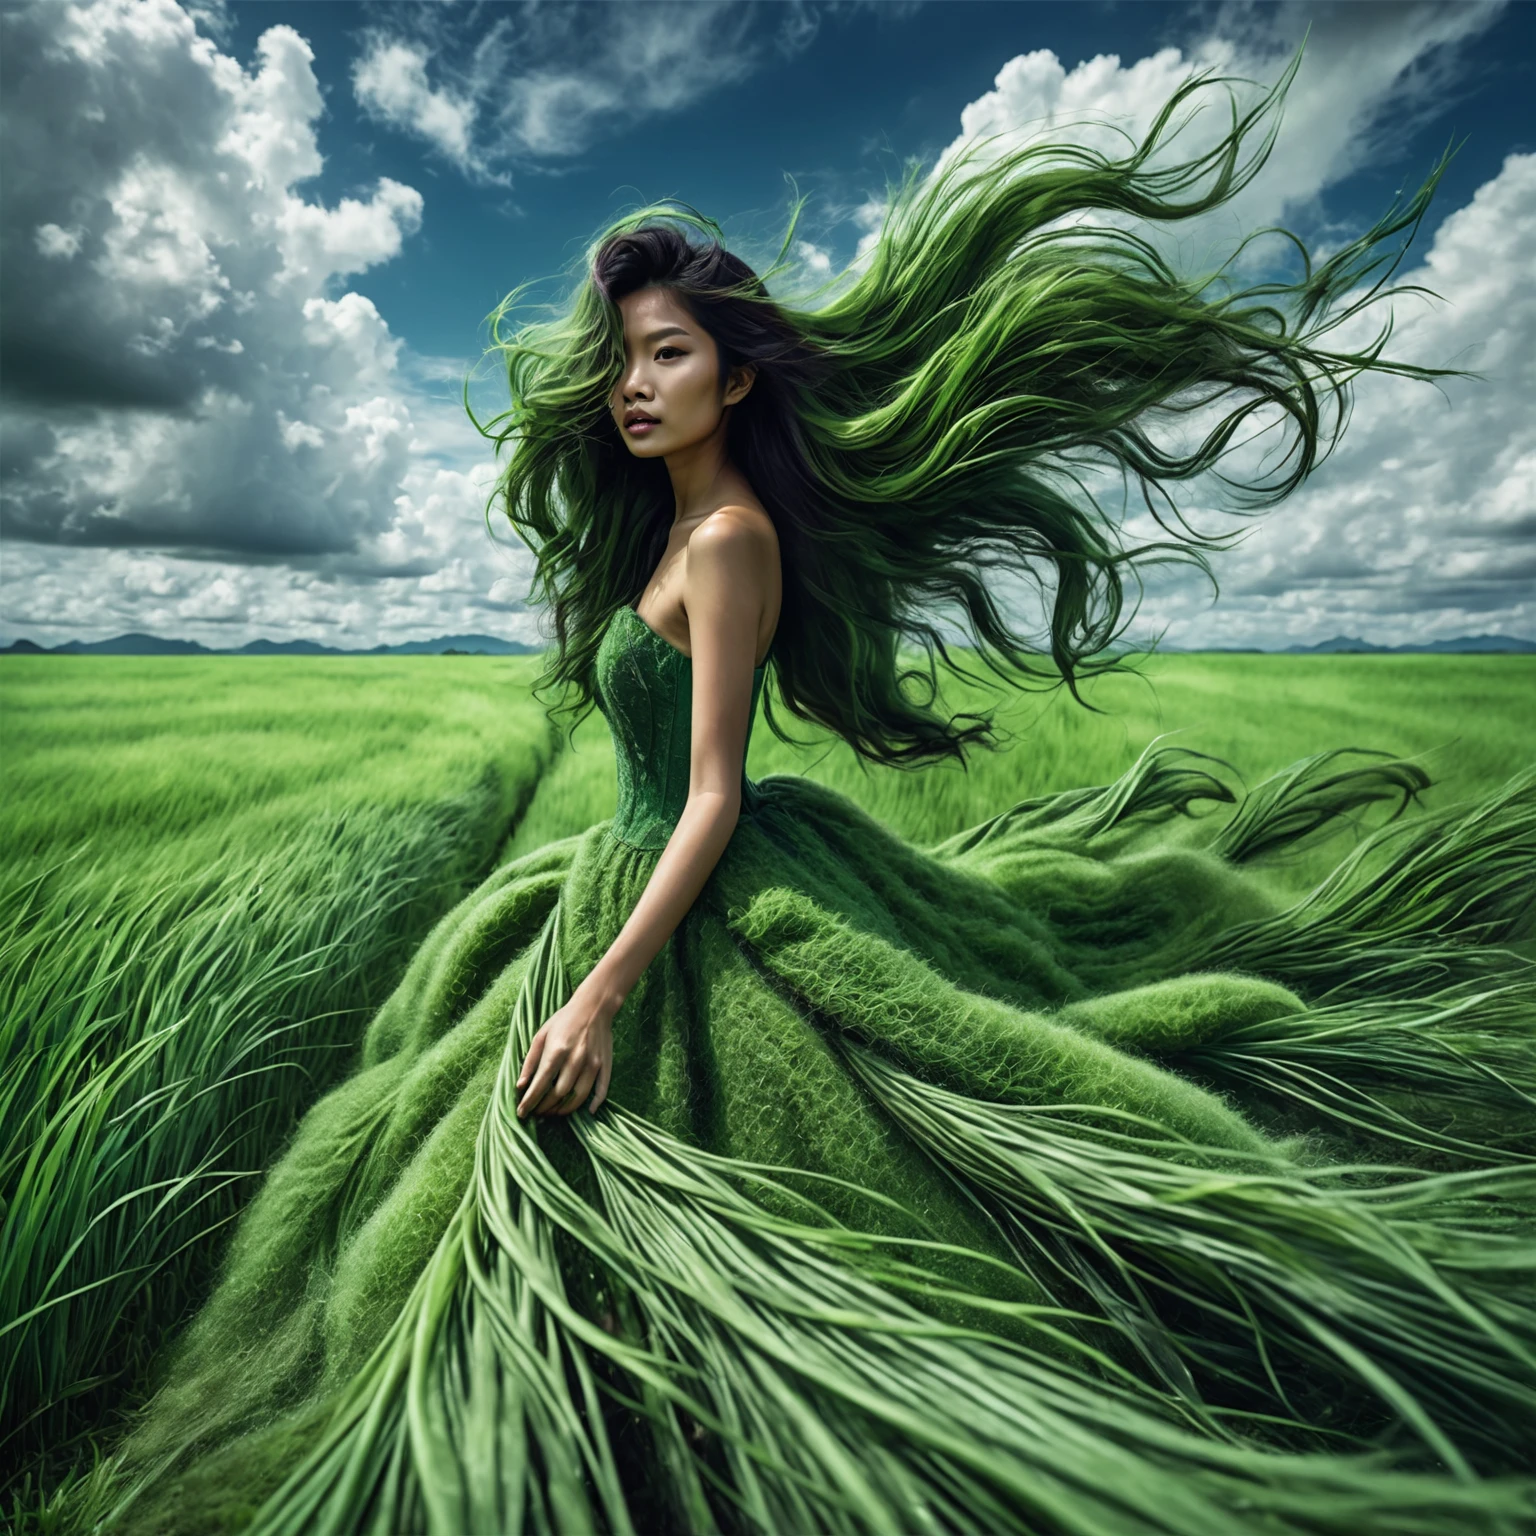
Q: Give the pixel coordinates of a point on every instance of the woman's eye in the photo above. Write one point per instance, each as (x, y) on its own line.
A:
(678, 350)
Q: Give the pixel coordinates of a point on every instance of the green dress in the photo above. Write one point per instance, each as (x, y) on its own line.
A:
(1052, 1179)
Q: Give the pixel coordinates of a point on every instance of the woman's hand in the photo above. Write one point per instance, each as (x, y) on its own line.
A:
(572, 1053)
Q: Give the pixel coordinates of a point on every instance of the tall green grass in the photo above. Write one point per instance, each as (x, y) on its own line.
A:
(210, 873)
(1464, 718)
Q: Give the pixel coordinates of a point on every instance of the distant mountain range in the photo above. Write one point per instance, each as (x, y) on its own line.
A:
(153, 645)
(489, 645)
(1463, 645)
(1347, 645)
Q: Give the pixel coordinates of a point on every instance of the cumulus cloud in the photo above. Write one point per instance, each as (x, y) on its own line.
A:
(390, 80)
(206, 433)
(166, 310)
(1422, 524)
(1368, 73)
(56, 243)
(100, 593)
(186, 371)
(1359, 61)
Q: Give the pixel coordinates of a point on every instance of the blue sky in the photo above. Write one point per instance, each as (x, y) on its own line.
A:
(248, 251)
(837, 112)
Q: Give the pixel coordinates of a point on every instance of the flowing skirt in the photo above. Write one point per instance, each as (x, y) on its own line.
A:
(1058, 1177)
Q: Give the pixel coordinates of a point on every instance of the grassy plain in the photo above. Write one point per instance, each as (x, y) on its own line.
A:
(1465, 719)
(212, 870)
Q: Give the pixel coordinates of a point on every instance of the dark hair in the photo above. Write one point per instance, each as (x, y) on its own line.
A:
(728, 299)
(916, 436)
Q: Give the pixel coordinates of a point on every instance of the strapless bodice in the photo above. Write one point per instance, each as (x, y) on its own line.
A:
(645, 692)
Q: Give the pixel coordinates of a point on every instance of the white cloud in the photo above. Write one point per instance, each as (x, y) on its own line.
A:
(868, 216)
(205, 431)
(390, 81)
(218, 601)
(268, 127)
(815, 260)
(317, 242)
(58, 244)
(1367, 72)
(101, 593)
(541, 82)
(298, 434)
(154, 249)
(186, 371)
(1423, 522)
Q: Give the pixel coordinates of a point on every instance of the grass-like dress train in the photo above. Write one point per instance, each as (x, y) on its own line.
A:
(1053, 1178)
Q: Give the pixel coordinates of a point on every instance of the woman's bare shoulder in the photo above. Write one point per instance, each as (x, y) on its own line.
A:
(735, 535)
(737, 521)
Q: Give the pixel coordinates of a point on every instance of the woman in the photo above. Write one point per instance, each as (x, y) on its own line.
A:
(1051, 1178)
(719, 584)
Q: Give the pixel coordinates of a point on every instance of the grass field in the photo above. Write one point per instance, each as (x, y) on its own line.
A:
(1464, 718)
(212, 870)
(211, 873)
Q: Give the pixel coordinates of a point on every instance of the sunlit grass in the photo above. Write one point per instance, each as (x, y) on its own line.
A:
(1464, 718)
(212, 873)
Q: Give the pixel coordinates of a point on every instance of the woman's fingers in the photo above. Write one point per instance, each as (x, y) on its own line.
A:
(577, 1096)
(570, 1071)
(549, 1068)
(561, 1067)
(531, 1060)
(602, 1083)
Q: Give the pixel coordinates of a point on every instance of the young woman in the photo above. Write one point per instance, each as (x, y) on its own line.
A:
(718, 587)
(738, 1164)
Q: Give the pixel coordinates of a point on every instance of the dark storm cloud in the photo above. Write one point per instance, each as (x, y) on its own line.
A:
(178, 370)
(1321, 568)
(1520, 530)
(45, 368)
(1501, 582)
(69, 129)
(38, 512)
(22, 445)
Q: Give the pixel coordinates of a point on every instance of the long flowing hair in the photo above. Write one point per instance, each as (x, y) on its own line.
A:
(917, 437)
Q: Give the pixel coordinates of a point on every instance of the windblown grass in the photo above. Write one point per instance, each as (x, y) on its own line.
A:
(1462, 717)
(212, 874)
(792, 1380)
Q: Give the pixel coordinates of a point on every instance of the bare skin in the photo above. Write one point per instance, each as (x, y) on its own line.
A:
(715, 596)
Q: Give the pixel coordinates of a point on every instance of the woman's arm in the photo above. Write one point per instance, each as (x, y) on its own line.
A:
(726, 583)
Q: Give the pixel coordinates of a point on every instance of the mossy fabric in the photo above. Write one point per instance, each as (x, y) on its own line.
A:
(1053, 1179)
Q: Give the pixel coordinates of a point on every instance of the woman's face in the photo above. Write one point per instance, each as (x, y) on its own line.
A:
(670, 374)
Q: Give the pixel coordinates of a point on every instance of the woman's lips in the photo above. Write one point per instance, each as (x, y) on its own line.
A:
(640, 428)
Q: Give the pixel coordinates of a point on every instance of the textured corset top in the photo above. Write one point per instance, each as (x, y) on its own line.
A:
(645, 691)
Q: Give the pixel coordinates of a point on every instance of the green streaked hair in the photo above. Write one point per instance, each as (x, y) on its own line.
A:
(916, 434)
